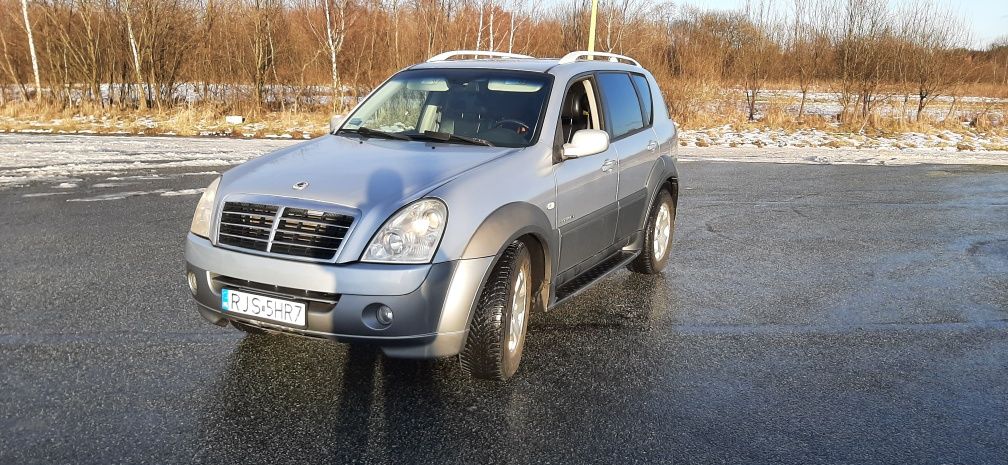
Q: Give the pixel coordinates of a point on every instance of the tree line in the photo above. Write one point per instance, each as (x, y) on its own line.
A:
(297, 55)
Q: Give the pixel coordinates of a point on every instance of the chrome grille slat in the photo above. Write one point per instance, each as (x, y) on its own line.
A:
(302, 233)
(241, 218)
(255, 215)
(265, 228)
(320, 223)
(244, 237)
(313, 234)
(295, 244)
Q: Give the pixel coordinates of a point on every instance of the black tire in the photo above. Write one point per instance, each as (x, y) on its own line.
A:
(248, 328)
(487, 353)
(647, 262)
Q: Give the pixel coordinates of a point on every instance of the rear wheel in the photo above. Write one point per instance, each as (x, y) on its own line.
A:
(496, 338)
(657, 236)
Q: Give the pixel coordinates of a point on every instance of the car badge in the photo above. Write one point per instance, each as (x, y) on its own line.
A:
(299, 186)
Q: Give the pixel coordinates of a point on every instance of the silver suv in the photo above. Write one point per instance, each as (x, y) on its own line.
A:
(458, 199)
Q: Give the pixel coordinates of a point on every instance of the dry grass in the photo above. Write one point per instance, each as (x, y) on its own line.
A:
(182, 121)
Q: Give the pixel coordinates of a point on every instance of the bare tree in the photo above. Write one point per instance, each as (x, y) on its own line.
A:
(932, 32)
(493, 46)
(31, 47)
(758, 46)
(618, 16)
(134, 52)
(865, 50)
(336, 27)
(479, 33)
(807, 46)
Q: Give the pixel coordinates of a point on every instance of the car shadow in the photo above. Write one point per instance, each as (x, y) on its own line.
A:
(291, 399)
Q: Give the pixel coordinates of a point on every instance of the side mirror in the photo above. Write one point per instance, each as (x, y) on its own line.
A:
(334, 123)
(586, 142)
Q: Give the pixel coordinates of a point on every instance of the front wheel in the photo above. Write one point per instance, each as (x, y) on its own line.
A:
(496, 338)
(657, 236)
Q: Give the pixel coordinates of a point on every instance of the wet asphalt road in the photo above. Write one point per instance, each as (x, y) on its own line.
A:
(812, 314)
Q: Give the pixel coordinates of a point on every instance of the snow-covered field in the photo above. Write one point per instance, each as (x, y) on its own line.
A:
(945, 140)
(827, 104)
(841, 156)
(62, 160)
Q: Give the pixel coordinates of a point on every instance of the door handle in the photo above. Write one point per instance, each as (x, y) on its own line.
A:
(652, 146)
(608, 165)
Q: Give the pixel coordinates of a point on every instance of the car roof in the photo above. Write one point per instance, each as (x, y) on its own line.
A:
(538, 65)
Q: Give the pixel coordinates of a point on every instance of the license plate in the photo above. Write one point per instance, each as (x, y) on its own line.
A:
(260, 306)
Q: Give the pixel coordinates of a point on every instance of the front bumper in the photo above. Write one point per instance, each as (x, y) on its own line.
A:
(431, 303)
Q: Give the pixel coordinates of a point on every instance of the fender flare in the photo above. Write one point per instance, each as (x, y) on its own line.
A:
(660, 177)
(508, 223)
(501, 227)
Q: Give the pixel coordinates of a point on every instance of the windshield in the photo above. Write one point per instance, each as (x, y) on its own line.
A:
(501, 108)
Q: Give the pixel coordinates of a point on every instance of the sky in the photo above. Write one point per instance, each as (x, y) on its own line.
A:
(988, 18)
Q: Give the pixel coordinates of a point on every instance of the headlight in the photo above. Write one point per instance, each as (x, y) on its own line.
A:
(204, 210)
(411, 235)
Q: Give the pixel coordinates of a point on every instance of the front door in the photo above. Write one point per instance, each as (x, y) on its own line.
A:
(586, 187)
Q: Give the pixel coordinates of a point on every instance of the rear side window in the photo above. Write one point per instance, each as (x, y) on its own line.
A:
(622, 106)
(644, 90)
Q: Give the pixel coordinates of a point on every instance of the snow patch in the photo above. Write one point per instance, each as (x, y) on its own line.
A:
(117, 196)
(848, 156)
(184, 192)
(945, 140)
(43, 194)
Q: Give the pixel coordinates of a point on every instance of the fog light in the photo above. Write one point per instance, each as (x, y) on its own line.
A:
(193, 287)
(384, 315)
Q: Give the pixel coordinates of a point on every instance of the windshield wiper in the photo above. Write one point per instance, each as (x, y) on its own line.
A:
(368, 132)
(448, 137)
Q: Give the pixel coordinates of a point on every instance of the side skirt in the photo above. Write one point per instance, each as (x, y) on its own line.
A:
(583, 281)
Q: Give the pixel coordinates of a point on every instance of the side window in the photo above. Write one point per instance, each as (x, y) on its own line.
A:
(644, 91)
(621, 104)
(579, 110)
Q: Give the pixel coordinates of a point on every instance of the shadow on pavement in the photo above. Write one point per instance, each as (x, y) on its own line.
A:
(292, 399)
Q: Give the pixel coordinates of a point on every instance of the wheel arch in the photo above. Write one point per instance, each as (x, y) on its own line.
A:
(517, 221)
(663, 176)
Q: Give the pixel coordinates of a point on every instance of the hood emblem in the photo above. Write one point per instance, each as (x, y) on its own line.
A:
(299, 186)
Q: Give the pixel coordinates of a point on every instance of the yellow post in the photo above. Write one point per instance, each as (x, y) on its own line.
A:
(591, 30)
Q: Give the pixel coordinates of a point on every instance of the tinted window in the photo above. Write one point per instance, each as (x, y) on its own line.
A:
(620, 100)
(644, 90)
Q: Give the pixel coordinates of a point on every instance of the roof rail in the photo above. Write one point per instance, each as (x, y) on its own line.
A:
(574, 56)
(476, 53)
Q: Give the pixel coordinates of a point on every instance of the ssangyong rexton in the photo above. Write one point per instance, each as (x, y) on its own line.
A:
(457, 200)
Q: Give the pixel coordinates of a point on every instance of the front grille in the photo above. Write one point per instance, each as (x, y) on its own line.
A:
(298, 232)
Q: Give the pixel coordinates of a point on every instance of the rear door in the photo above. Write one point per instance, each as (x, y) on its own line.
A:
(629, 118)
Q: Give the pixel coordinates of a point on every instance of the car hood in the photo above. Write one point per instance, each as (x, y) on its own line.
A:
(360, 174)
